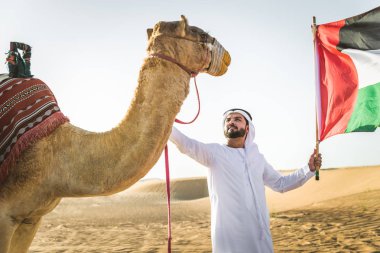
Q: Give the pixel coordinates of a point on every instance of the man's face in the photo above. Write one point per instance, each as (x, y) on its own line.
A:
(235, 126)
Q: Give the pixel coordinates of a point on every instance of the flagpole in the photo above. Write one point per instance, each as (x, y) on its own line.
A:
(314, 31)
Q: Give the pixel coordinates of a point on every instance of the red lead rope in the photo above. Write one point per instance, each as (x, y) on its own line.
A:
(168, 171)
(199, 107)
(168, 197)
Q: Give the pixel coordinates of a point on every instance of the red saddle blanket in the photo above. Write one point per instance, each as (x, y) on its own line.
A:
(28, 112)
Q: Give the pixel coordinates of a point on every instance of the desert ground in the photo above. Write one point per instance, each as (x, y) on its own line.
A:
(339, 213)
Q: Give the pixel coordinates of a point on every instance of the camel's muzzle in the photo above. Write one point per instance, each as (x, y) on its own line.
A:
(220, 59)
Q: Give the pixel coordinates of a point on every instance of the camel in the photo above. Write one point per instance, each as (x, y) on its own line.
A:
(72, 162)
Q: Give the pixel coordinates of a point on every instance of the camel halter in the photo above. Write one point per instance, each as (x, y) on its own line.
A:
(168, 58)
(167, 170)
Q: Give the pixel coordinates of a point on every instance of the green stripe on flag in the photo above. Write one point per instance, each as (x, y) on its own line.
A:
(366, 115)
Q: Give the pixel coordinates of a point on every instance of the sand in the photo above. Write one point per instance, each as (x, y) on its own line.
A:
(340, 213)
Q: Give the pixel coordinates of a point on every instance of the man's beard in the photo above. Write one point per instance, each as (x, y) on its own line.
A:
(235, 134)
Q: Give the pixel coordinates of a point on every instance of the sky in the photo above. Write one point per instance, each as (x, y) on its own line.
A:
(90, 52)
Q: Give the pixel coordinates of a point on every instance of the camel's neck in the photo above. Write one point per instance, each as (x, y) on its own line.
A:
(112, 161)
(162, 88)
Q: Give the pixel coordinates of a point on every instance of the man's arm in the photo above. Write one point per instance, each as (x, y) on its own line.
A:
(280, 183)
(197, 150)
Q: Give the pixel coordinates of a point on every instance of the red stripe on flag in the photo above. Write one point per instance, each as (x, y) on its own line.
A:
(338, 82)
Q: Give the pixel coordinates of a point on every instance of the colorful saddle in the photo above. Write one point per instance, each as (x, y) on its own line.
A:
(28, 112)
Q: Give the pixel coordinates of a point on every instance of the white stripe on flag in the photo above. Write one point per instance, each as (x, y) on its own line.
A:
(367, 65)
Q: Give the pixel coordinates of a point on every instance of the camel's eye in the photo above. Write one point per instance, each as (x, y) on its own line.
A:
(204, 37)
(193, 30)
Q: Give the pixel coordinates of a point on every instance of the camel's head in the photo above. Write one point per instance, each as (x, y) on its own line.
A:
(188, 45)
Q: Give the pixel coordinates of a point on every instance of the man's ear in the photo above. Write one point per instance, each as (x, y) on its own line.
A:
(246, 131)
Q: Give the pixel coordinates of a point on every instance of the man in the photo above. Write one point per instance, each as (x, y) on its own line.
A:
(236, 178)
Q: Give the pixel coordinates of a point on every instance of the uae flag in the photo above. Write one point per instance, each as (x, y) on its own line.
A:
(348, 75)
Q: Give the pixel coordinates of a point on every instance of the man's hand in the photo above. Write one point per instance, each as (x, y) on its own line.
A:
(315, 161)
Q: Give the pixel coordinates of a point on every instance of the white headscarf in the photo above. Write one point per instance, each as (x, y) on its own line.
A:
(251, 149)
(249, 141)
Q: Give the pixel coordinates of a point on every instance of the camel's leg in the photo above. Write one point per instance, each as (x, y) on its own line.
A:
(7, 229)
(24, 234)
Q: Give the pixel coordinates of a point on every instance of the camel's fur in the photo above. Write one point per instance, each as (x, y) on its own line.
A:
(72, 162)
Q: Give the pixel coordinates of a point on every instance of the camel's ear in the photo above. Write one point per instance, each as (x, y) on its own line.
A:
(149, 31)
(183, 26)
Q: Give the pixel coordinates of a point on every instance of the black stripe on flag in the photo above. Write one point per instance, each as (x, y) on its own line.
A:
(361, 32)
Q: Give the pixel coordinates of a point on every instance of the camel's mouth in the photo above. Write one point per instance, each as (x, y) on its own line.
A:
(220, 59)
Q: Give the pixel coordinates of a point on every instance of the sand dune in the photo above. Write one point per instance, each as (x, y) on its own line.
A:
(340, 213)
(334, 183)
(180, 189)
